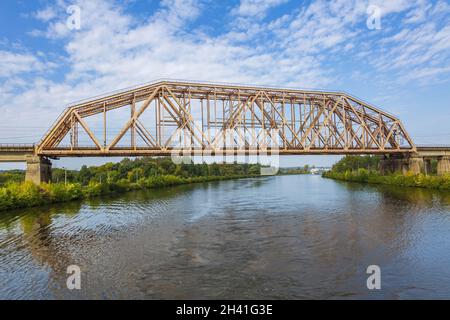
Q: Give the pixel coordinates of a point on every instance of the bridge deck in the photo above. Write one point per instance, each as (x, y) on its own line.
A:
(16, 152)
(126, 152)
(433, 151)
(21, 150)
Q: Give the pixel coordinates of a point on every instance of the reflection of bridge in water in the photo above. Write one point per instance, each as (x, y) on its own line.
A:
(173, 117)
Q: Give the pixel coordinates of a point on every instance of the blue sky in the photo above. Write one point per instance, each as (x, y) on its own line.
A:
(403, 67)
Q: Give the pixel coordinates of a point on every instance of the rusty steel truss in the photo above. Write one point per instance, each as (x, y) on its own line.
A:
(204, 118)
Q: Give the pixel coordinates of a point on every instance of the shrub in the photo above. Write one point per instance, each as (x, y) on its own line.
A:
(396, 179)
(26, 194)
(93, 189)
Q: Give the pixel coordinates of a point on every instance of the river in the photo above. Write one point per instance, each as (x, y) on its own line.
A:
(283, 237)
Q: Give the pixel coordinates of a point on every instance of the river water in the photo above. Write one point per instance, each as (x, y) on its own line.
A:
(283, 237)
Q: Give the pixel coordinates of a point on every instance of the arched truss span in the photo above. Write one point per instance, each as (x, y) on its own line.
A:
(168, 116)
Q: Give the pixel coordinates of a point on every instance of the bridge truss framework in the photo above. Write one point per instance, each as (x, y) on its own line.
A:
(169, 117)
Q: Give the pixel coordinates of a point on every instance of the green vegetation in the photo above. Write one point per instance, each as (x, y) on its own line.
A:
(353, 163)
(132, 171)
(127, 175)
(11, 176)
(297, 170)
(364, 169)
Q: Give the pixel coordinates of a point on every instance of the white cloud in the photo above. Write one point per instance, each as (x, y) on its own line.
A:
(46, 14)
(178, 11)
(419, 52)
(111, 51)
(110, 47)
(256, 8)
(418, 14)
(16, 63)
(395, 6)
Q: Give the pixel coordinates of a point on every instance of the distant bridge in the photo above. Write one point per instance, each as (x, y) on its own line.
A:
(166, 117)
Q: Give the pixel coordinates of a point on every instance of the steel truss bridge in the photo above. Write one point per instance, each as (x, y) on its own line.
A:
(168, 117)
(171, 116)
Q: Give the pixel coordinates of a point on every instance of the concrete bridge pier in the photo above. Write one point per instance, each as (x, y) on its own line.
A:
(389, 164)
(443, 165)
(403, 164)
(39, 169)
(427, 166)
(416, 165)
(393, 163)
(383, 165)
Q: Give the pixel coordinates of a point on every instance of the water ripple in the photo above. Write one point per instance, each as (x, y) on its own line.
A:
(289, 237)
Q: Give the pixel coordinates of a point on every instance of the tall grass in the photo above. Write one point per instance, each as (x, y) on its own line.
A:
(26, 194)
(396, 179)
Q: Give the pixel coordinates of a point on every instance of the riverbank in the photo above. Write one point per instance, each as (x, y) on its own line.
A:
(397, 179)
(25, 194)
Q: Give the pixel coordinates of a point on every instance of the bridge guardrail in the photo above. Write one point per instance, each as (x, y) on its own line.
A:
(433, 146)
(19, 145)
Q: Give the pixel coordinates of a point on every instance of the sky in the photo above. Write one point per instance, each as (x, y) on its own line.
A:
(394, 54)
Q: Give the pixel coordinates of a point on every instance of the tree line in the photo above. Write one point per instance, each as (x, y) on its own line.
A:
(133, 170)
(126, 175)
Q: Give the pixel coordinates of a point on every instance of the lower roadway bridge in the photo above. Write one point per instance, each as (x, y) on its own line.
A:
(198, 118)
(418, 161)
(39, 168)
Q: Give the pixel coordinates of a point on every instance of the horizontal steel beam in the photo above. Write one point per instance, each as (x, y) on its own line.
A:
(147, 152)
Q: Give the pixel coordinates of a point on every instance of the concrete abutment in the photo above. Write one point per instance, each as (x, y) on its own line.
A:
(403, 164)
(415, 164)
(39, 169)
(443, 165)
